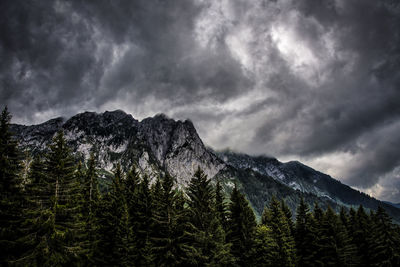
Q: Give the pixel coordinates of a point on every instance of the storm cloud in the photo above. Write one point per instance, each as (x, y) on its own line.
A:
(317, 81)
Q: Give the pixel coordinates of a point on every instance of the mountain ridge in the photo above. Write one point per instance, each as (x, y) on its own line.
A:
(159, 144)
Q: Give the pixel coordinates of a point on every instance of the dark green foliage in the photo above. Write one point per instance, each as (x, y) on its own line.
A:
(385, 247)
(53, 213)
(361, 235)
(265, 250)
(142, 225)
(305, 236)
(65, 202)
(131, 191)
(11, 197)
(288, 215)
(344, 218)
(275, 218)
(220, 206)
(114, 232)
(241, 225)
(38, 223)
(318, 213)
(56, 216)
(333, 243)
(205, 233)
(169, 222)
(90, 192)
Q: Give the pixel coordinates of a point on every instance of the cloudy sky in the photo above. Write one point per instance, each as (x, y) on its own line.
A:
(316, 81)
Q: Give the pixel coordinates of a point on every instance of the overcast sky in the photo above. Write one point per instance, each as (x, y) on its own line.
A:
(316, 81)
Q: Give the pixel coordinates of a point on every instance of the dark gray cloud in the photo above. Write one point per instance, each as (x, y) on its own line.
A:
(352, 106)
(310, 80)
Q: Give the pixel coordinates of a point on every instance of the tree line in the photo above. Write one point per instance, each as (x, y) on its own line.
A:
(56, 216)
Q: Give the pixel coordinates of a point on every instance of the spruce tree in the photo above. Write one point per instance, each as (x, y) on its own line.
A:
(207, 235)
(131, 190)
(334, 244)
(265, 249)
(183, 240)
(220, 206)
(54, 208)
(113, 227)
(318, 213)
(90, 192)
(166, 231)
(65, 200)
(242, 224)
(274, 218)
(143, 225)
(344, 217)
(361, 230)
(131, 193)
(305, 236)
(385, 245)
(11, 197)
(288, 214)
(37, 213)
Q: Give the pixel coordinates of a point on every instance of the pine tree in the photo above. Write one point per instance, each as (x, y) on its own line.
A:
(131, 189)
(11, 197)
(65, 199)
(274, 218)
(113, 227)
(265, 249)
(344, 218)
(90, 192)
(242, 224)
(305, 236)
(183, 241)
(131, 193)
(104, 252)
(220, 206)
(207, 235)
(288, 214)
(163, 225)
(361, 229)
(334, 244)
(54, 208)
(143, 225)
(37, 214)
(318, 213)
(385, 245)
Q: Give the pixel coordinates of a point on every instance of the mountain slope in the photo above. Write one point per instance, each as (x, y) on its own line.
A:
(302, 178)
(159, 144)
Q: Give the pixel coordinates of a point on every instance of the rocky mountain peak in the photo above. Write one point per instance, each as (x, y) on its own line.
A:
(154, 144)
(177, 147)
(88, 121)
(160, 144)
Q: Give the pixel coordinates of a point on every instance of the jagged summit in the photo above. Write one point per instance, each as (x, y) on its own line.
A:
(155, 144)
(161, 144)
(161, 116)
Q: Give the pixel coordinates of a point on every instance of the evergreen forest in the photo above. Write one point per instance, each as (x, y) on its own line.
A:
(53, 214)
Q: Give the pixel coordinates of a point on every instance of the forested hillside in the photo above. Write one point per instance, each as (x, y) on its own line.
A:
(53, 214)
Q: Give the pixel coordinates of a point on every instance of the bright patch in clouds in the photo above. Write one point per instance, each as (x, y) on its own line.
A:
(239, 47)
(298, 55)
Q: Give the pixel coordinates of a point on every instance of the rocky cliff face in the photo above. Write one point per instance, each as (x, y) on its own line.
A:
(154, 145)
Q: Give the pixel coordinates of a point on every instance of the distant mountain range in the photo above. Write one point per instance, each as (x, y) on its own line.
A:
(159, 144)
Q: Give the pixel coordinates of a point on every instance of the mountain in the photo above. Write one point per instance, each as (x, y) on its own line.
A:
(306, 180)
(155, 145)
(159, 144)
(397, 205)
